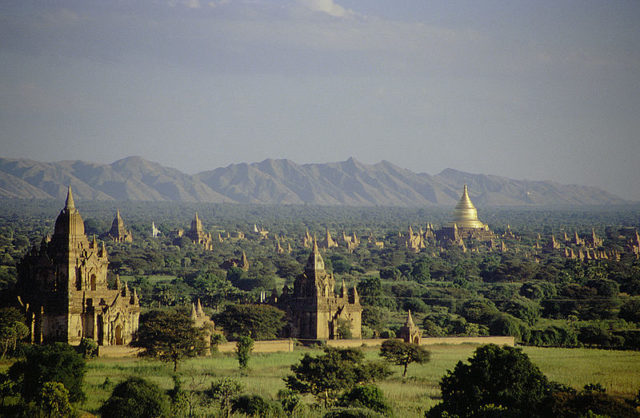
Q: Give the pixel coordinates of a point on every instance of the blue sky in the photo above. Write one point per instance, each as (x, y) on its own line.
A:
(537, 89)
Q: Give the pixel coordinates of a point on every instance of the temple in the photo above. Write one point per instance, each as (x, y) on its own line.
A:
(118, 232)
(198, 236)
(63, 288)
(315, 311)
(464, 223)
(410, 332)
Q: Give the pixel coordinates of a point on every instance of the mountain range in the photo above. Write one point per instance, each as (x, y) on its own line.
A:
(282, 182)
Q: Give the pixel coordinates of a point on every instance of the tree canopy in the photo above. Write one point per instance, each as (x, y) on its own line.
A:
(499, 376)
(136, 398)
(333, 372)
(260, 322)
(402, 354)
(169, 336)
(57, 362)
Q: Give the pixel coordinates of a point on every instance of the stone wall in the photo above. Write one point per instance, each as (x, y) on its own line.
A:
(273, 346)
(510, 341)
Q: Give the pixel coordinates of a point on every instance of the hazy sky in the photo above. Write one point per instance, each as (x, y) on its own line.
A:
(537, 89)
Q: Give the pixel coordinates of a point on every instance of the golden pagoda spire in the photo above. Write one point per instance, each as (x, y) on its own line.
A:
(465, 214)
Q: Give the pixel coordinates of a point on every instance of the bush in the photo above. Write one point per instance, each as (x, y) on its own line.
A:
(136, 398)
(587, 403)
(88, 348)
(57, 362)
(223, 391)
(499, 376)
(243, 351)
(352, 413)
(367, 396)
(255, 405)
(54, 400)
(289, 400)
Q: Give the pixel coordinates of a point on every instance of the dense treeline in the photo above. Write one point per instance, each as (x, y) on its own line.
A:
(541, 298)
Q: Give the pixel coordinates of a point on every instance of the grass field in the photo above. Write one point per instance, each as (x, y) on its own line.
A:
(617, 371)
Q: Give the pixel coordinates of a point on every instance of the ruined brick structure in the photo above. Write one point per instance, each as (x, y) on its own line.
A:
(63, 289)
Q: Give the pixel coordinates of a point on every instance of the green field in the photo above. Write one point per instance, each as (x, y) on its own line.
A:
(617, 371)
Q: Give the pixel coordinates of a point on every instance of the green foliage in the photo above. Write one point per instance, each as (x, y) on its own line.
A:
(7, 387)
(88, 347)
(587, 403)
(327, 375)
(630, 310)
(256, 405)
(53, 400)
(521, 308)
(554, 336)
(57, 362)
(594, 387)
(499, 376)
(223, 391)
(290, 400)
(375, 318)
(402, 354)
(260, 322)
(169, 336)
(344, 329)
(217, 339)
(595, 335)
(136, 398)
(12, 330)
(366, 396)
(244, 346)
(372, 293)
(212, 288)
(352, 413)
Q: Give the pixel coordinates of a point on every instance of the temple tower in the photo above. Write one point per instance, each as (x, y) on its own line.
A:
(63, 288)
(197, 235)
(314, 309)
(118, 232)
(410, 332)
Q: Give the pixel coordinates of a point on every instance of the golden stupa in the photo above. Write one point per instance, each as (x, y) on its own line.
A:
(465, 214)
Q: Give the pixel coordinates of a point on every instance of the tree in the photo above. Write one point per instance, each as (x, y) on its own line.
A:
(136, 398)
(223, 391)
(12, 329)
(256, 405)
(366, 396)
(88, 347)
(494, 376)
(169, 336)
(54, 400)
(375, 318)
(337, 370)
(57, 362)
(244, 347)
(260, 322)
(401, 353)
(630, 311)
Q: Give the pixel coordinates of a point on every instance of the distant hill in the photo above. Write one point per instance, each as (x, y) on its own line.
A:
(282, 182)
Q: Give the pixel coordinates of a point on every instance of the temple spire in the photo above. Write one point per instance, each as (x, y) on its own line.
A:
(69, 203)
(315, 262)
(465, 213)
(409, 322)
